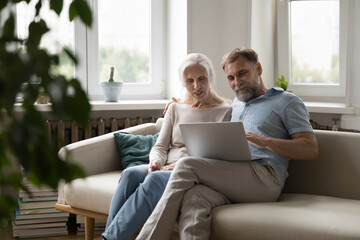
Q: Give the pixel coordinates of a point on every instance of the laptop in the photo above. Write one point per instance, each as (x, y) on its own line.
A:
(216, 140)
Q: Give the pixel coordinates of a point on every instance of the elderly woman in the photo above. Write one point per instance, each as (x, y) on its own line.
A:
(140, 187)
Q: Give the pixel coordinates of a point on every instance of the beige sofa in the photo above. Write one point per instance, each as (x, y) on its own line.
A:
(321, 199)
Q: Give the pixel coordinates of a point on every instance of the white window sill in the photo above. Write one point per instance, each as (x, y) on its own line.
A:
(110, 106)
(331, 108)
(313, 107)
(129, 105)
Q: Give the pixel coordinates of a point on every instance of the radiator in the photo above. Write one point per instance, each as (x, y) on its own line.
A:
(70, 131)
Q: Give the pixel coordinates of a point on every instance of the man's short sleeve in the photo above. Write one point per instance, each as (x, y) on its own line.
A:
(296, 117)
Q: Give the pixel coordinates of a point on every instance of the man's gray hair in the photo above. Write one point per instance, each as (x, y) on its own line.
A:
(247, 53)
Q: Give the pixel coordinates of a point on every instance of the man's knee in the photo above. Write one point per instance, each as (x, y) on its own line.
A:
(186, 162)
(195, 193)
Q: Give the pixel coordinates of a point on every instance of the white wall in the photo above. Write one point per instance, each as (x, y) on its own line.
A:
(177, 28)
(217, 27)
(214, 27)
(353, 121)
(263, 32)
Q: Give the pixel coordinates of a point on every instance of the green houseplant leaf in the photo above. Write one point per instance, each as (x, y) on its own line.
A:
(57, 6)
(24, 140)
(36, 32)
(281, 82)
(81, 9)
(3, 4)
(9, 26)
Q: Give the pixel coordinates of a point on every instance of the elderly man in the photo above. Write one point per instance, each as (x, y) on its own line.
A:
(277, 126)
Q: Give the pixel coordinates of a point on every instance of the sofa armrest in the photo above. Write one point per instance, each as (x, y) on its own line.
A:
(98, 154)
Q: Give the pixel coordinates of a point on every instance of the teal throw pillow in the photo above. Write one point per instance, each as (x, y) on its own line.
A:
(134, 149)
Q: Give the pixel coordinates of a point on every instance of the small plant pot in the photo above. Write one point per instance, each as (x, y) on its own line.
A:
(42, 98)
(111, 91)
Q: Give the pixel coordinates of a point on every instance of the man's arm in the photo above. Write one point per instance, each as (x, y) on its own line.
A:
(169, 103)
(301, 146)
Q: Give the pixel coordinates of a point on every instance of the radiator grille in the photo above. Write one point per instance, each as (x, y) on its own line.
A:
(70, 131)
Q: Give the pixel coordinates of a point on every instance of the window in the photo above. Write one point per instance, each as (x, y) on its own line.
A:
(312, 37)
(129, 35)
(61, 35)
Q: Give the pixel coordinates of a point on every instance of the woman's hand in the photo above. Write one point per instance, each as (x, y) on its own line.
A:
(154, 166)
(168, 167)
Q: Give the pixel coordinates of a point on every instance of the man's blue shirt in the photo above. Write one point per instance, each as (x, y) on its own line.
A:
(276, 114)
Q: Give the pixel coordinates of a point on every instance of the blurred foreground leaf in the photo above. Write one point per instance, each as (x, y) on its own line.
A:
(26, 67)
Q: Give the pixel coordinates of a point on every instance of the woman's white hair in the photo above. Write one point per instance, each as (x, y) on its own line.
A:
(201, 59)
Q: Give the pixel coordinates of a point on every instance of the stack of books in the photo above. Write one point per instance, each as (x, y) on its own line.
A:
(37, 216)
(99, 226)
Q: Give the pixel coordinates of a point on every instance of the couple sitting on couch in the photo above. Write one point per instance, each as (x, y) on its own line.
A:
(166, 190)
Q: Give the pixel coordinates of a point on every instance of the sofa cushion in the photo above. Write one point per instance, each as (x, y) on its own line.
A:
(334, 172)
(134, 149)
(93, 193)
(294, 216)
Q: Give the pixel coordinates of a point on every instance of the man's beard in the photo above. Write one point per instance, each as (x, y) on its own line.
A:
(247, 96)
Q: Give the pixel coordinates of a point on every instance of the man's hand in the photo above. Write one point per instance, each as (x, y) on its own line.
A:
(168, 105)
(301, 146)
(168, 167)
(256, 140)
(154, 166)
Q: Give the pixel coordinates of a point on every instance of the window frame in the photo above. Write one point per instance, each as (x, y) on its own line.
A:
(86, 50)
(284, 53)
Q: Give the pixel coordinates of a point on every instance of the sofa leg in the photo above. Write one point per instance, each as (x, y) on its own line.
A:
(89, 228)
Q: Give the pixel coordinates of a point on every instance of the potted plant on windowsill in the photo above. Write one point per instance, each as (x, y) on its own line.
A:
(282, 83)
(111, 89)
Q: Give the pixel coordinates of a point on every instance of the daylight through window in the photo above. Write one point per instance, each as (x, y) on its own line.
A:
(315, 42)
